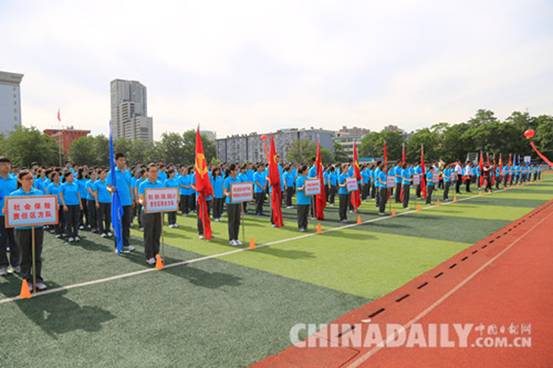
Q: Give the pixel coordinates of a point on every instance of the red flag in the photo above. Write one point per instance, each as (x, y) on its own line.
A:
(203, 185)
(510, 159)
(500, 165)
(355, 197)
(403, 158)
(320, 199)
(274, 178)
(542, 156)
(59, 116)
(481, 165)
(423, 175)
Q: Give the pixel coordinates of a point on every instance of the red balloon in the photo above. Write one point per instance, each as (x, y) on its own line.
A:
(263, 137)
(529, 134)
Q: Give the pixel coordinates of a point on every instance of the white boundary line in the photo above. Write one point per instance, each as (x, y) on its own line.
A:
(234, 251)
(363, 358)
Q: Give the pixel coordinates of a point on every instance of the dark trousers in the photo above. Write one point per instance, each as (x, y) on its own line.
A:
(172, 217)
(289, 195)
(60, 227)
(126, 224)
(458, 183)
(398, 193)
(7, 240)
(152, 234)
(259, 200)
(406, 194)
(72, 216)
(24, 240)
(446, 190)
(418, 191)
(429, 191)
(332, 197)
(183, 204)
(92, 214)
(104, 218)
(139, 213)
(382, 199)
(233, 213)
(467, 183)
(343, 200)
(200, 223)
(303, 210)
(218, 207)
(374, 192)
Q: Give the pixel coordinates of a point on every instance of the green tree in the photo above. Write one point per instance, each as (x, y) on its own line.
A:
(339, 154)
(27, 145)
(83, 151)
(304, 150)
(189, 139)
(372, 144)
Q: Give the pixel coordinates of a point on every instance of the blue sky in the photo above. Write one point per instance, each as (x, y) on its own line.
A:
(245, 66)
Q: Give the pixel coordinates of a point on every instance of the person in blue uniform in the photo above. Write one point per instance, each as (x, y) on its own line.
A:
(8, 184)
(151, 221)
(259, 189)
(171, 182)
(406, 177)
(122, 185)
(382, 185)
(343, 195)
(91, 201)
(233, 209)
(70, 198)
(217, 183)
(302, 201)
(429, 184)
(103, 199)
(54, 189)
(23, 236)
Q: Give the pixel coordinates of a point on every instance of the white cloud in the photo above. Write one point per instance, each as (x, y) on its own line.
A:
(243, 66)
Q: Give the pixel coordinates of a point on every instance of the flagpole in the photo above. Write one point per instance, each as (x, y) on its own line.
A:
(33, 251)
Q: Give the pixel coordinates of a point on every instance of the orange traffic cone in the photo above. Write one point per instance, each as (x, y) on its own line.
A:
(359, 222)
(394, 212)
(159, 262)
(438, 202)
(318, 229)
(25, 290)
(418, 208)
(252, 243)
(454, 199)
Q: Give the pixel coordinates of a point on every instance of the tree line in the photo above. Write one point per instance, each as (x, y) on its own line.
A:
(446, 141)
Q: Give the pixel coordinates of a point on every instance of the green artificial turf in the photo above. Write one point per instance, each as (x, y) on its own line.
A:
(234, 309)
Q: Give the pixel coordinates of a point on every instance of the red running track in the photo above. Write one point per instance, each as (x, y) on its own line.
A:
(505, 279)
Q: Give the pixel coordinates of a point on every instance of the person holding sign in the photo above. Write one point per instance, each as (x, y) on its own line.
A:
(302, 200)
(8, 184)
(70, 198)
(233, 209)
(150, 221)
(24, 236)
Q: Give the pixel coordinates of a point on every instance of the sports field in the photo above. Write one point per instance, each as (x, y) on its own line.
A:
(218, 306)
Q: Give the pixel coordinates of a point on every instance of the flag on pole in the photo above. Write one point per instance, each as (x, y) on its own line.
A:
(116, 207)
(385, 156)
(203, 185)
(403, 156)
(355, 197)
(59, 115)
(481, 165)
(320, 199)
(423, 174)
(274, 178)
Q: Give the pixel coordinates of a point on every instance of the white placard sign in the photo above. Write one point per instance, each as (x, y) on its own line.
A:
(312, 187)
(158, 200)
(31, 211)
(241, 192)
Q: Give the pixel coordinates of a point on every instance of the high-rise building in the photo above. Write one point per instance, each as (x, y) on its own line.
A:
(129, 111)
(10, 102)
(345, 137)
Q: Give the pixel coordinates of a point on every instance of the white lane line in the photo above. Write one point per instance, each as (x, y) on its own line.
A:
(234, 251)
(363, 358)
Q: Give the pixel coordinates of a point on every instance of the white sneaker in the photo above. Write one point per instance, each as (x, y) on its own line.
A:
(238, 242)
(201, 237)
(109, 234)
(3, 271)
(76, 239)
(128, 249)
(70, 240)
(104, 235)
(232, 243)
(176, 225)
(40, 286)
(80, 228)
(302, 230)
(151, 261)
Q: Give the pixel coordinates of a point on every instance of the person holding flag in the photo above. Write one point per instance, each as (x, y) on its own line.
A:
(355, 196)
(274, 182)
(320, 199)
(119, 185)
(203, 188)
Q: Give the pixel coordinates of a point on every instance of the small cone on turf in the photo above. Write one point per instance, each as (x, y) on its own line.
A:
(394, 212)
(159, 262)
(454, 199)
(252, 243)
(318, 229)
(418, 208)
(359, 222)
(25, 290)
(438, 202)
